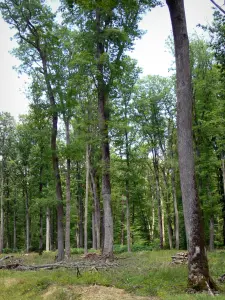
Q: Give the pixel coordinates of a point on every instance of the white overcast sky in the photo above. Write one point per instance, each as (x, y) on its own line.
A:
(150, 51)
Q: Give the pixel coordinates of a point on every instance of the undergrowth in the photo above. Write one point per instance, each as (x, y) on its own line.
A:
(146, 273)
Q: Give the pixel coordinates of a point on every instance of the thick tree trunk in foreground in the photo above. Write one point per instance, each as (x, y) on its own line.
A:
(103, 113)
(68, 196)
(198, 276)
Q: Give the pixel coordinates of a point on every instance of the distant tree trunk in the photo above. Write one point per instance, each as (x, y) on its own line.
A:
(2, 210)
(55, 161)
(211, 234)
(14, 222)
(97, 213)
(198, 276)
(27, 219)
(68, 196)
(176, 213)
(94, 244)
(168, 213)
(122, 222)
(80, 206)
(223, 179)
(160, 220)
(48, 229)
(103, 113)
(153, 220)
(41, 230)
(86, 203)
(41, 214)
(127, 187)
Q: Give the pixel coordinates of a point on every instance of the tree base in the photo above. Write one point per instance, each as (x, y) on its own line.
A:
(200, 283)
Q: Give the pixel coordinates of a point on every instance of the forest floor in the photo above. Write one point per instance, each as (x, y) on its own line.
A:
(135, 276)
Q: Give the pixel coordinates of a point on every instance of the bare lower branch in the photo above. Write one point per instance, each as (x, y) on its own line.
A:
(218, 6)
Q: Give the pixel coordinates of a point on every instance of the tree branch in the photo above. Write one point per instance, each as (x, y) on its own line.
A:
(218, 6)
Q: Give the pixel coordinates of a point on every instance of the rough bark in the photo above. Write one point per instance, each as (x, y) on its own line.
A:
(86, 202)
(68, 195)
(103, 113)
(198, 276)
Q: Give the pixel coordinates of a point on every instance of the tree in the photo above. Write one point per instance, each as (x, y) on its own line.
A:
(34, 23)
(198, 276)
(109, 29)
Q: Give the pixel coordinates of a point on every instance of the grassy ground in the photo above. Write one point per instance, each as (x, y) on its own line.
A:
(147, 273)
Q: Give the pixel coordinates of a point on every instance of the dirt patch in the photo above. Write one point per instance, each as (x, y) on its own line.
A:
(8, 282)
(93, 292)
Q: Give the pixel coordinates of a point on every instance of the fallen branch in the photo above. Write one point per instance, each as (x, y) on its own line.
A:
(74, 265)
(6, 257)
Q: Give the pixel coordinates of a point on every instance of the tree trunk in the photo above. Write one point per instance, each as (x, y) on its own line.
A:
(41, 230)
(80, 206)
(97, 213)
(68, 196)
(27, 219)
(223, 209)
(55, 162)
(47, 229)
(41, 213)
(86, 203)
(127, 187)
(198, 276)
(168, 214)
(2, 211)
(14, 223)
(122, 222)
(160, 220)
(211, 234)
(176, 213)
(103, 126)
(94, 244)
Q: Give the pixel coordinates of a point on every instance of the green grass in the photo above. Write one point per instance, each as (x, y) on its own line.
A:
(146, 273)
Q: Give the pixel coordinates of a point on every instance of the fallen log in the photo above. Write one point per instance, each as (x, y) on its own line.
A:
(73, 265)
(6, 257)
